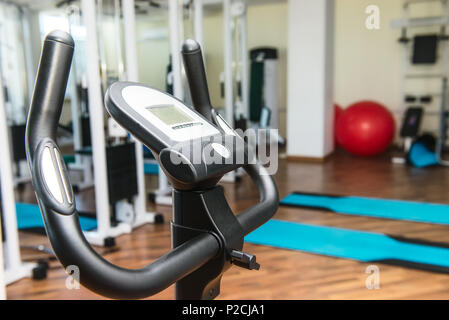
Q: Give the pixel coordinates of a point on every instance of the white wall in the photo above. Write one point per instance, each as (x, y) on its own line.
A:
(368, 62)
(153, 50)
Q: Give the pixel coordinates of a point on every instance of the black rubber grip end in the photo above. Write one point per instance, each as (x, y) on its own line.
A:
(60, 36)
(190, 46)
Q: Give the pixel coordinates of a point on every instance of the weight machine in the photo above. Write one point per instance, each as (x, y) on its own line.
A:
(17, 72)
(14, 30)
(438, 50)
(14, 268)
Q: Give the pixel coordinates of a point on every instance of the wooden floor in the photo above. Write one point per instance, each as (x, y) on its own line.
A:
(288, 274)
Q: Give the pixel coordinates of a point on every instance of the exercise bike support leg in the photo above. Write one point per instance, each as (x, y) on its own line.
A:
(212, 215)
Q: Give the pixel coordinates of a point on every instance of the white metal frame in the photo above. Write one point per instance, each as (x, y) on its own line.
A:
(141, 216)
(235, 17)
(176, 31)
(235, 62)
(2, 272)
(228, 58)
(82, 163)
(16, 108)
(138, 215)
(14, 268)
(244, 69)
(104, 229)
(28, 51)
(198, 26)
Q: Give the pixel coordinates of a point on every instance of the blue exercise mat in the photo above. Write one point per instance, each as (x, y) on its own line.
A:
(29, 217)
(151, 168)
(351, 244)
(372, 207)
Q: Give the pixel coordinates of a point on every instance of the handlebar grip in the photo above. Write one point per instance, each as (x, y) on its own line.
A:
(49, 90)
(196, 77)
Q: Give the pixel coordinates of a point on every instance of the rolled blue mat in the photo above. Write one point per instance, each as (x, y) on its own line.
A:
(420, 156)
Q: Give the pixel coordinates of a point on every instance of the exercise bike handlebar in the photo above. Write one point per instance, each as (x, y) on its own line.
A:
(58, 205)
(61, 220)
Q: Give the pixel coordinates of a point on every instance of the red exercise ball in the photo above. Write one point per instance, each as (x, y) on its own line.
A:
(365, 128)
(337, 113)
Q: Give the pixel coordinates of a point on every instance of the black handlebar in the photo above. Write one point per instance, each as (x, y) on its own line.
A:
(61, 218)
(49, 89)
(196, 77)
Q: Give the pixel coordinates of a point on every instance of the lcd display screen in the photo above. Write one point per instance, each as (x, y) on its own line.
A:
(169, 114)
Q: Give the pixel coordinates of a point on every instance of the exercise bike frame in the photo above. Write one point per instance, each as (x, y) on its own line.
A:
(206, 239)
